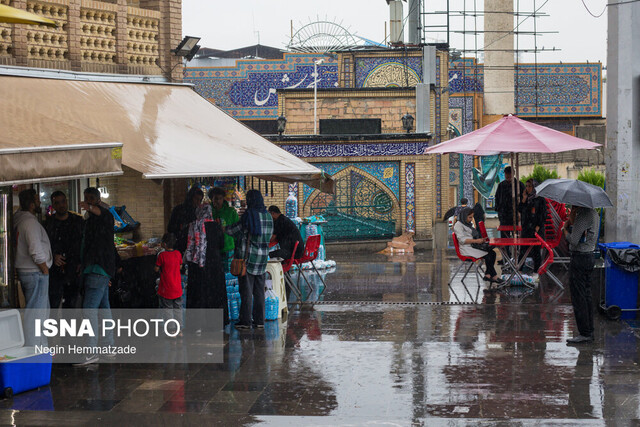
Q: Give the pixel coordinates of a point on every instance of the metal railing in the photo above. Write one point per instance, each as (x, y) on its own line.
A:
(357, 222)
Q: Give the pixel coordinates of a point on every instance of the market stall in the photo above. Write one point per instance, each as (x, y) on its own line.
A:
(166, 131)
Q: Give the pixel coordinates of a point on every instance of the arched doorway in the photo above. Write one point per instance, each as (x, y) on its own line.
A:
(360, 209)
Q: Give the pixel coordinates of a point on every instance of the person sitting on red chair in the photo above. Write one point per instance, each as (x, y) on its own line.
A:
(465, 231)
(286, 234)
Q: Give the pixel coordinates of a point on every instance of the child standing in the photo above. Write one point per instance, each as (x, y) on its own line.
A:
(170, 286)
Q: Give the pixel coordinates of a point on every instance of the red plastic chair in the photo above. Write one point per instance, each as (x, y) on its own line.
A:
(544, 268)
(553, 229)
(472, 262)
(310, 254)
(286, 267)
(482, 229)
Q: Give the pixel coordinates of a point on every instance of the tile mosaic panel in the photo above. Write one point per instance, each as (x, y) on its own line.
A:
(564, 90)
(466, 76)
(248, 90)
(357, 150)
(410, 196)
(293, 189)
(388, 72)
(461, 114)
(467, 177)
(461, 118)
(387, 172)
(453, 177)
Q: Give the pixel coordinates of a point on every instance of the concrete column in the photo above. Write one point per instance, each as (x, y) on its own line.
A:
(622, 154)
(413, 18)
(498, 72)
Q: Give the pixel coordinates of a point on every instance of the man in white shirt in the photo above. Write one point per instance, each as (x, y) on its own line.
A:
(33, 259)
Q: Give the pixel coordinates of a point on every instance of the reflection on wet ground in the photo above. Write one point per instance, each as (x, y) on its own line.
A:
(389, 342)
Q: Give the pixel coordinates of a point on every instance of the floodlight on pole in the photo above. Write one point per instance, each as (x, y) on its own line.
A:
(187, 48)
(315, 94)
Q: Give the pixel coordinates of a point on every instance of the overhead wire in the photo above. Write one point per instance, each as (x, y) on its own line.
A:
(606, 6)
(591, 13)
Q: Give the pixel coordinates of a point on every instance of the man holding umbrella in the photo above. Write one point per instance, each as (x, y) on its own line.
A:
(581, 231)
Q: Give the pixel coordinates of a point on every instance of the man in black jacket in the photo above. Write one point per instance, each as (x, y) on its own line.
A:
(65, 234)
(98, 265)
(505, 201)
(287, 235)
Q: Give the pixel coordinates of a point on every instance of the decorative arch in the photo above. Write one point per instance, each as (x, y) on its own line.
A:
(397, 214)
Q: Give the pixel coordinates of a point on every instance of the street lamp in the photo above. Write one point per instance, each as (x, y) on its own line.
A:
(315, 94)
(407, 122)
(282, 124)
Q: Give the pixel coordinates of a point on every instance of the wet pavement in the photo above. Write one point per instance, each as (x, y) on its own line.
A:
(389, 342)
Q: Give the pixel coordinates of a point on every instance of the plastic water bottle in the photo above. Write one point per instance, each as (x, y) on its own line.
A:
(271, 306)
(291, 206)
(321, 253)
(234, 310)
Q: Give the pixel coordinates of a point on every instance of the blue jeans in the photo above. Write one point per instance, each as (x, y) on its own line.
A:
(96, 296)
(35, 287)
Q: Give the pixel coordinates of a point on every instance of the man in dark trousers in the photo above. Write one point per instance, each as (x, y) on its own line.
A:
(65, 234)
(98, 266)
(287, 235)
(504, 199)
(581, 231)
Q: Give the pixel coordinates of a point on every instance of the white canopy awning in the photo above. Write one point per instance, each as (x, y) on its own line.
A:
(167, 131)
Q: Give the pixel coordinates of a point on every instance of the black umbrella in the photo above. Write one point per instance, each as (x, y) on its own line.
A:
(451, 212)
(574, 193)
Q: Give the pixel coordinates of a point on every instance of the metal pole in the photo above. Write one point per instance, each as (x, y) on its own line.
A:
(315, 98)
(513, 199)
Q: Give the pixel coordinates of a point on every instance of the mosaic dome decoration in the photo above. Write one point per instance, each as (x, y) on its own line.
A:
(391, 74)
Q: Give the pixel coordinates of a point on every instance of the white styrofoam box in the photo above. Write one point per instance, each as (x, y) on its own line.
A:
(11, 334)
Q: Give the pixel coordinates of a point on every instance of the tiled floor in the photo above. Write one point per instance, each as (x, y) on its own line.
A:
(390, 343)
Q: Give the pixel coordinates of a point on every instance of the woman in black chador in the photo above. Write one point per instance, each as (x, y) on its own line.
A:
(213, 269)
(534, 215)
(183, 215)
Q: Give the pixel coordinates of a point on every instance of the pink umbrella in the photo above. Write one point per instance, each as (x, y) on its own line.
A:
(512, 135)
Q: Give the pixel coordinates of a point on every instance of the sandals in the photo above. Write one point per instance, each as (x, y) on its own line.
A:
(498, 281)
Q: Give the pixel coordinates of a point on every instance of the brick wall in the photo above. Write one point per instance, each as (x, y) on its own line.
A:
(116, 36)
(387, 105)
(143, 198)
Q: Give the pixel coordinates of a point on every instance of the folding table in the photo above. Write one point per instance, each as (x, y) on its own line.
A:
(503, 243)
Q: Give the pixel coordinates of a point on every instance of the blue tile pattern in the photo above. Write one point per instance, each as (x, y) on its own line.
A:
(465, 76)
(410, 196)
(248, 90)
(461, 118)
(563, 90)
(357, 150)
(366, 67)
(388, 173)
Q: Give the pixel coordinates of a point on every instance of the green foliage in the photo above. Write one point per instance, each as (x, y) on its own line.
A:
(540, 174)
(592, 176)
